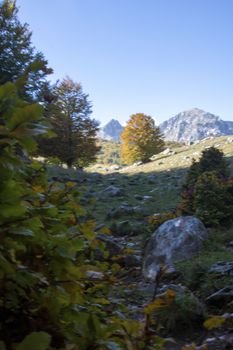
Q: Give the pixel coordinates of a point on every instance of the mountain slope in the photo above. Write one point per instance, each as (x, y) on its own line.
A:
(112, 131)
(193, 125)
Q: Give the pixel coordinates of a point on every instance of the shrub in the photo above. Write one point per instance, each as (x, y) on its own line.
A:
(52, 290)
(158, 219)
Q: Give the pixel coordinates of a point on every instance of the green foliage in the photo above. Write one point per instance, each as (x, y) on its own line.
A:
(207, 189)
(109, 153)
(36, 341)
(209, 199)
(75, 141)
(18, 58)
(174, 311)
(158, 219)
(141, 139)
(195, 271)
(52, 290)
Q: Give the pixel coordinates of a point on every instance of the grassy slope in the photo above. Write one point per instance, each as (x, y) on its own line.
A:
(168, 171)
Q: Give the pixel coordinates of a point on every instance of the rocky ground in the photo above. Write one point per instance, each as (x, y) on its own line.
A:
(190, 275)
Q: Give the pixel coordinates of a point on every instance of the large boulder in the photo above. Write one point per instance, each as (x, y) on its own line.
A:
(175, 240)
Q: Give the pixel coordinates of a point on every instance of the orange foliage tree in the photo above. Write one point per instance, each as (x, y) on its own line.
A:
(140, 139)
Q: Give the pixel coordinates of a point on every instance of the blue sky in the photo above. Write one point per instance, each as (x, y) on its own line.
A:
(158, 57)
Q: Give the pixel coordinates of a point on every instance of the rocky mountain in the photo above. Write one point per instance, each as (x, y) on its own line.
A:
(193, 125)
(111, 131)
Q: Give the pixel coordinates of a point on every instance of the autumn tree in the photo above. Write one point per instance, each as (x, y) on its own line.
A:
(75, 132)
(19, 60)
(140, 139)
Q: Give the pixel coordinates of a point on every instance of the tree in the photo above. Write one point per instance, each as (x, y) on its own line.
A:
(140, 139)
(18, 58)
(76, 133)
(207, 189)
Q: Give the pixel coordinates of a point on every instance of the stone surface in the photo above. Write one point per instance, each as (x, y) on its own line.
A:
(124, 209)
(175, 240)
(221, 297)
(110, 191)
(223, 268)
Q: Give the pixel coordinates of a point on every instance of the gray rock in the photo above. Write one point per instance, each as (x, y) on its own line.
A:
(137, 163)
(110, 191)
(175, 240)
(137, 196)
(222, 296)
(124, 209)
(152, 179)
(223, 268)
(146, 198)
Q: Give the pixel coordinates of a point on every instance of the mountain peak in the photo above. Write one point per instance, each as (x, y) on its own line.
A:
(112, 130)
(194, 124)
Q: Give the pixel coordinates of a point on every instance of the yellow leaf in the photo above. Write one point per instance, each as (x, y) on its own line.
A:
(214, 322)
(170, 294)
(156, 304)
(105, 230)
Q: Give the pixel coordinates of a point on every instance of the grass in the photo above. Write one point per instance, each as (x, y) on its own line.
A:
(195, 271)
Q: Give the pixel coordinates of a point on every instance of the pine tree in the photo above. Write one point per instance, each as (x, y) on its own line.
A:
(75, 142)
(140, 139)
(207, 189)
(18, 58)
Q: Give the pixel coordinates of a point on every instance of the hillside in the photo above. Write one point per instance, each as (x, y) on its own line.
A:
(123, 199)
(193, 125)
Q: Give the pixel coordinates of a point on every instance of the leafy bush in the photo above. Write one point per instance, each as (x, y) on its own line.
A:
(176, 310)
(158, 219)
(52, 290)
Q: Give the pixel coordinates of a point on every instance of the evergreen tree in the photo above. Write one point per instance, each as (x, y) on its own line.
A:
(207, 189)
(140, 139)
(75, 142)
(18, 58)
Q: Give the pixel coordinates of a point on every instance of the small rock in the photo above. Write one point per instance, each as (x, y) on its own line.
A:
(94, 275)
(110, 191)
(222, 296)
(223, 268)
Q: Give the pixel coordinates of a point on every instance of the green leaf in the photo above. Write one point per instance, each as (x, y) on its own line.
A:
(35, 341)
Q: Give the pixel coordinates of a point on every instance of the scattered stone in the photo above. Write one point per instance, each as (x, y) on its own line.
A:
(94, 178)
(223, 268)
(112, 246)
(146, 198)
(94, 275)
(124, 209)
(110, 191)
(137, 163)
(139, 197)
(152, 179)
(115, 167)
(175, 240)
(221, 297)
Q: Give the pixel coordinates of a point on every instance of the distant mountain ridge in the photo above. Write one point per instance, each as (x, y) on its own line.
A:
(193, 125)
(186, 127)
(111, 131)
